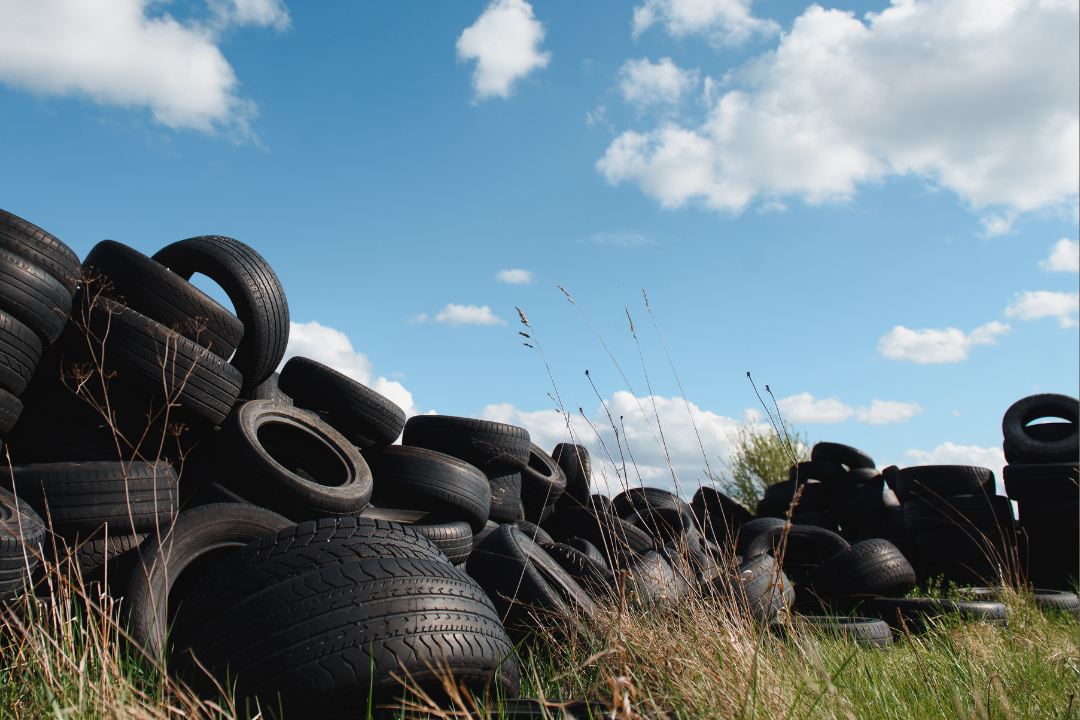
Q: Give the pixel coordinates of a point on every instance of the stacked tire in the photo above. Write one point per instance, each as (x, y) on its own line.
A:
(1042, 478)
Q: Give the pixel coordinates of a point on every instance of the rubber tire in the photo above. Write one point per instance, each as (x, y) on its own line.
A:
(587, 549)
(520, 578)
(133, 346)
(709, 506)
(124, 274)
(592, 575)
(919, 609)
(542, 483)
(291, 552)
(610, 534)
(867, 503)
(842, 454)
(856, 476)
(574, 462)
(650, 579)
(964, 545)
(1046, 432)
(867, 568)
(268, 389)
(1016, 433)
(601, 502)
(427, 480)
(505, 488)
(867, 632)
(814, 470)
(33, 297)
(759, 587)
(1051, 481)
(533, 532)
(20, 351)
(250, 468)
(253, 288)
(934, 481)
(634, 503)
(957, 511)
(41, 248)
(328, 642)
(10, 410)
(1060, 516)
(750, 530)
(806, 548)
(486, 444)
(201, 532)
(82, 498)
(365, 412)
(22, 534)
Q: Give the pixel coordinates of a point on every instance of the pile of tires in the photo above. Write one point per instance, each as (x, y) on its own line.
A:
(1042, 478)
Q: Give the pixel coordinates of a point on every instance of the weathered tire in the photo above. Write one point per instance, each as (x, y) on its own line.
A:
(1017, 433)
(750, 530)
(125, 275)
(867, 568)
(542, 483)
(171, 563)
(960, 545)
(22, 534)
(607, 532)
(920, 610)
(288, 461)
(589, 573)
(719, 516)
(33, 297)
(10, 410)
(814, 470)
(82, 498)
(20, 351)
(574, 461)
(253, 288)
(867, 632)
(842, 454)
(421, 479)
(805, 548)
(331, 640)
(505, 495)
(365, 412)
(41, 248)
(485, 444)
(760, 587)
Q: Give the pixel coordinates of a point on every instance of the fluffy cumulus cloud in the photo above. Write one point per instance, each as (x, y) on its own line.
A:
(1043, 303)
(463, 315)
(115, 52)
(505, 43)
(1064, 257)
(969, 96)
(648, 457)
(516, 277)
(805, 409)
(951, 454)
(724, 22)
(332, 348)
(932, 346)
(645, 83)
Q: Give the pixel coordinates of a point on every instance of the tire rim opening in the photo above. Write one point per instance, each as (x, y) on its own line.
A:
(303, 453)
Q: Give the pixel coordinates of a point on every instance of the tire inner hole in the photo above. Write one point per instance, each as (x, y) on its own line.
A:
(303, 453)
(195, 571)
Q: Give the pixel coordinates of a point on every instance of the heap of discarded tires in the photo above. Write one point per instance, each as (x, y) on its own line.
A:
(265, 529)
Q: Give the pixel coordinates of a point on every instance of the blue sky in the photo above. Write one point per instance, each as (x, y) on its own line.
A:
(871, 207)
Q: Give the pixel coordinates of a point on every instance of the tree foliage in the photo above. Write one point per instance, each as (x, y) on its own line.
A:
(759, 459)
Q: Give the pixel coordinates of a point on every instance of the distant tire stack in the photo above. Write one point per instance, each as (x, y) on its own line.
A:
(1042, 478)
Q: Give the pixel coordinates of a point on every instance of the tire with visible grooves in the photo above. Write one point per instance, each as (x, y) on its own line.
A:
(505, 488)
(542, 483)
(933, 481)
(759, 586)
(317, 645)
(867, 568)
(20, 351)
(253, 288)
(576, 466)
(315, 386)
(919, 609)
(22, 534)
(422, 479)
(33, 297)
(485, 444)
(10, 410)
(591, 574)
(867, 632)
(41, 248)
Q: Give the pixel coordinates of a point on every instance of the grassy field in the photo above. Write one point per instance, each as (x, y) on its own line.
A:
(699, 659)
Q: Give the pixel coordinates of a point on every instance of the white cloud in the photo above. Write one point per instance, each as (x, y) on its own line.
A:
(516, 277)
(505, 42)
(805, 409)
(644, 83)
(994, 225)
(622, 238)
(725, 22)
(950, 454)
(332, 348)
(933, 346)
(113, 53)
(464, 315)
(970, 96)
(1043, 303)
(1064, 257)
(549, 427)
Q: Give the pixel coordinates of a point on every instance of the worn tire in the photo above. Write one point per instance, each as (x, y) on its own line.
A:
(505, 488)
(485, 444)
(41, 248)
(574, 461)
(867, 632)
(957, 511)
(759, 587)
(33, 297)
(842, 454)
(719, 516)
(22, 534)
(542, 483)
(422, 479)
(1017, 433)
(253, 288)
(935, 481)
(806, 547)
(20, 351)
(590, 573)
(867, 568)
(10, 410)
(922, 609)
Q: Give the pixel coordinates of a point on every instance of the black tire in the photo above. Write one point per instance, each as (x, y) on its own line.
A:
(92, 557)
(542, 483)
(805, 547)
(669, 524)
(750, 530)
(82, 498)
(268, 389)
(290, 462)
(889, 474)
(814, 470)
(1051, 481)
(935, 481)
(601, 502)
(778, 506)
(970, 545)
(607, 532)
(505, 495)
(253, 288)
(916, 611)
(521, 580)
(816, 519)
(10, 410)
(20, 351)
(534, 532)
(957, 511)
(154, 360)
(867, 568)
(427, 480)
(865, 503)
(330, 641)
(759, 587)
(478, 537)
(33, 297)
(962, 572)
(573, 460)
(1056, 600)
(846, 479)
(867, 632)
(1063, 516)
(587, 549)
(365, 412)
(637, 502)
(125, 275)
(41, 248)
(486, 444)
(719, 516)
(592, 575)
(454, 538)
(650, 579)
(1045, 432)
(1018, 434)
(842, 454)
(290, 553)
(22, 534)
(170, 564)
